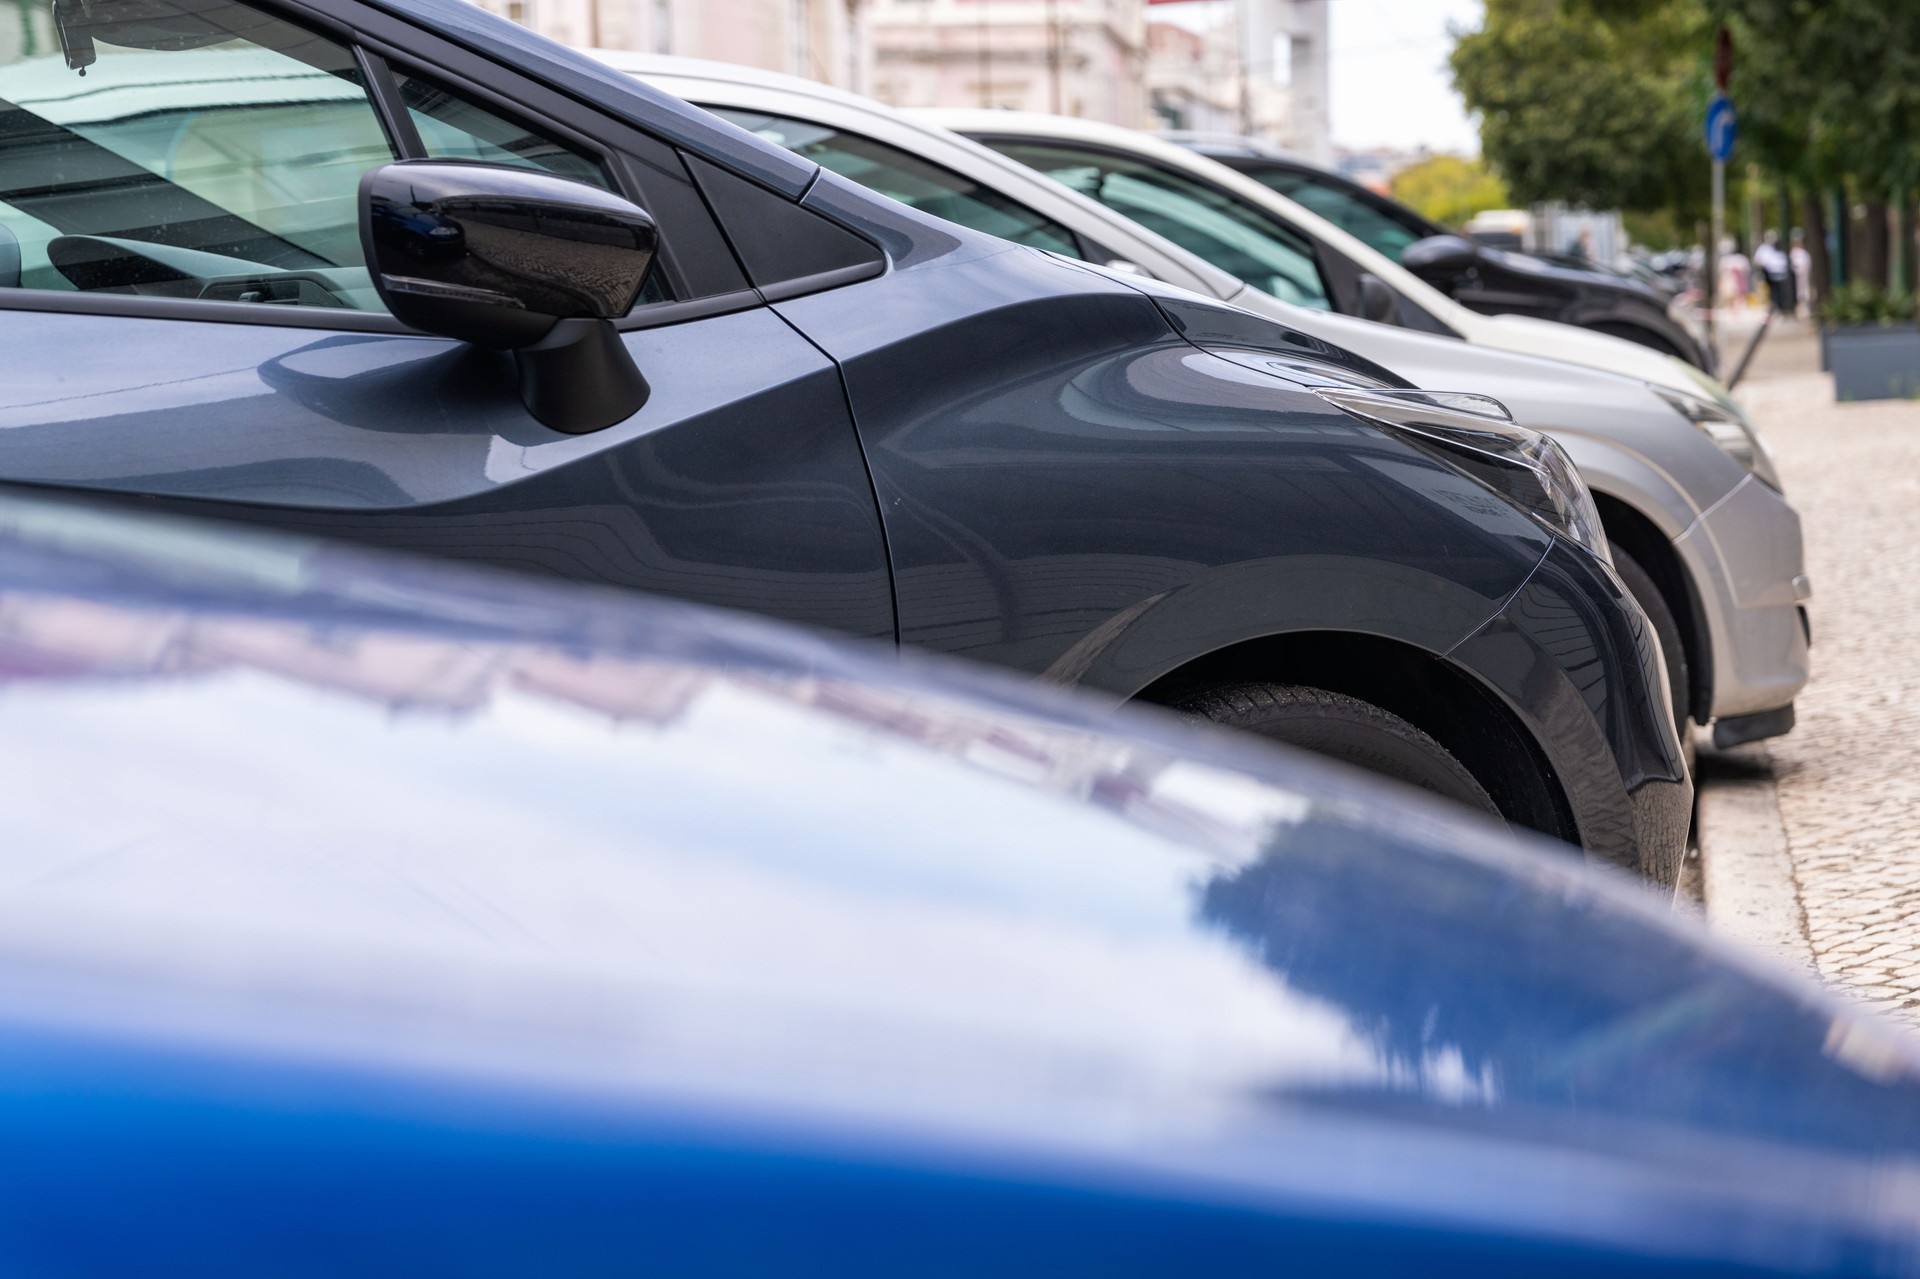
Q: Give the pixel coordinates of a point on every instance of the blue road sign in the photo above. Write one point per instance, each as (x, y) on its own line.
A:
(1721, 126)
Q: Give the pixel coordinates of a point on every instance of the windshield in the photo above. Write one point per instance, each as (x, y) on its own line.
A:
(1198, 218)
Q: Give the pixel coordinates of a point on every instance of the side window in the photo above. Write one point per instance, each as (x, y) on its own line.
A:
(1206, 222)
(909, 179)
(208, 151)
(1343, 208)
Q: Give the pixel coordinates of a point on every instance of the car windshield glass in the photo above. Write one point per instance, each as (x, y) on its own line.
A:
(1349, 212)
(209, 151)
(1210, 223)
(909, 179)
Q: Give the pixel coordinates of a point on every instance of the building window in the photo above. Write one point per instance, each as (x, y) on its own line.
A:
(517, 11)
(797, 28)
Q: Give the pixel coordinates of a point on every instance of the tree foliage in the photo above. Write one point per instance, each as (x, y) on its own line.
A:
(1829, 90)
(1450, 189)
(1596, 106)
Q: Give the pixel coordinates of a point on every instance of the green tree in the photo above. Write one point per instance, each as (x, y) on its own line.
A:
(1591, 105)
(1450, 188)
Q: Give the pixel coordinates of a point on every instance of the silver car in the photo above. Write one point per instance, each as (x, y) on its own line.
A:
(1691, 503)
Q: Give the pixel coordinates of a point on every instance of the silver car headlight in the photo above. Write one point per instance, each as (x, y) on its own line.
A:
(1476, 434)
(1728, 428)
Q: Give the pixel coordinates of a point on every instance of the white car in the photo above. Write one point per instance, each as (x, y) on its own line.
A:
(1699, 530)
(1151, 169)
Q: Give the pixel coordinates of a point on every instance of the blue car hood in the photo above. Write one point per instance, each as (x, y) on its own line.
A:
(277, 804)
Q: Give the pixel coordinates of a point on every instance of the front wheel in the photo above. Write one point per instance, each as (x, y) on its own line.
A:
(1343, 728)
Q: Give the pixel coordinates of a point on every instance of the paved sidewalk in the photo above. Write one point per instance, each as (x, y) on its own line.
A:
(1825, 864)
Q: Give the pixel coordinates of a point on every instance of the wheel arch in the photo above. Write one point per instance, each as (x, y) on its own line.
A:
(1420, 686)
(1642, 539)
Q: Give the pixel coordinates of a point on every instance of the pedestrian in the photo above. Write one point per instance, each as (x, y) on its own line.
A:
(1733, 274)
(1801, 263)
(1770, 261)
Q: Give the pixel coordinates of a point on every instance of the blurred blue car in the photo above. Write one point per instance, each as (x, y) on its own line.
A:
(367, 917)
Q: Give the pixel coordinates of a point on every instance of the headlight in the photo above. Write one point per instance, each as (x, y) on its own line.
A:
(1477, 435)
(1727, 427)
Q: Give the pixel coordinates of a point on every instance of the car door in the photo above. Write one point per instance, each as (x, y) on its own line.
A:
(190, 322)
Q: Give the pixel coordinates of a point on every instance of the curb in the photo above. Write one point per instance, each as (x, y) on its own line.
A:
(1746, 869)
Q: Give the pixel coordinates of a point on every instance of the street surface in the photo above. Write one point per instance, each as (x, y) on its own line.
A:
(1846, 875)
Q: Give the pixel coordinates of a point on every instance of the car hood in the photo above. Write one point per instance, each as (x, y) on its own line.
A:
(1561, 398)
(275, 801)
(1531, 336)
(1590, 277)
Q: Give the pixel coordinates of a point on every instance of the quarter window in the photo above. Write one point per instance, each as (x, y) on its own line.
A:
(455, 127)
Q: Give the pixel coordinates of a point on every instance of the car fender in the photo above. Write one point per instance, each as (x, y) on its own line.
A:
(1266, 599)
(1069, 485)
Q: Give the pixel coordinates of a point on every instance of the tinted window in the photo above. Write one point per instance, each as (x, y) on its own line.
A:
(909, 179)
(1234, 237)
(1351, 213)
(210, 151)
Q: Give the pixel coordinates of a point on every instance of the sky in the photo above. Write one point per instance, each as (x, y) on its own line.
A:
(1389, 74)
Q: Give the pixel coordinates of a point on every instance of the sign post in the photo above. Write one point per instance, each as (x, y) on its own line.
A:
(1720, 134)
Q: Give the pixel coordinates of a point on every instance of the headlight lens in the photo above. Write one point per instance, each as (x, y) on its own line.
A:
(1727, 427)
(1477, 435)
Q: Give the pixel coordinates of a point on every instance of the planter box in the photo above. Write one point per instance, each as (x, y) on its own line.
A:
(1873, 361)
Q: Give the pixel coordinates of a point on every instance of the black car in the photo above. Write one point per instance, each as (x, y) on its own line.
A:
(1490, 280)
(669, 356)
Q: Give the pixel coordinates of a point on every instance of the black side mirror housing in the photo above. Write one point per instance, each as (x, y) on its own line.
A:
(1441, 260)
(516, 260)
(1378, 301)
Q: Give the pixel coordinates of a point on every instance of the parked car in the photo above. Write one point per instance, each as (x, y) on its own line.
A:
(1688, 495)
(374, 917)
(677, 358)
(1488, 279)
(1327, 268)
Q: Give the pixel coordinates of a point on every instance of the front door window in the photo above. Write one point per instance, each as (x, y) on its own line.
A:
(185, 148)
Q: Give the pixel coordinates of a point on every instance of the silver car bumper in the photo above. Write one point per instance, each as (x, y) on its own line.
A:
(1746, 559)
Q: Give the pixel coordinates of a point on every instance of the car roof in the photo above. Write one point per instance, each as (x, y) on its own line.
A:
(276, 804)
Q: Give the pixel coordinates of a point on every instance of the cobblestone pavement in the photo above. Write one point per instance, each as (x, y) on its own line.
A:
(1848, 777)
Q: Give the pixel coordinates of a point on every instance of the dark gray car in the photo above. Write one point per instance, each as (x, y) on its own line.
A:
(407, 275)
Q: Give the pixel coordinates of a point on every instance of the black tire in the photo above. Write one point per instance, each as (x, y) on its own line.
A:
(1343, 728)
(1672, 648)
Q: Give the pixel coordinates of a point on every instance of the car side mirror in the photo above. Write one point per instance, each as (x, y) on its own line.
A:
(521, 261)
(1378, 302)
(1441, 260)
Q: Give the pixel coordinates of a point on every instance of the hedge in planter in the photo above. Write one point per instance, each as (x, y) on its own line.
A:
(1871, 343)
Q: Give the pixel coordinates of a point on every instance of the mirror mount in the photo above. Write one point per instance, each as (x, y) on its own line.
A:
(1378, 301)
(580, 378)
(516, 260)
